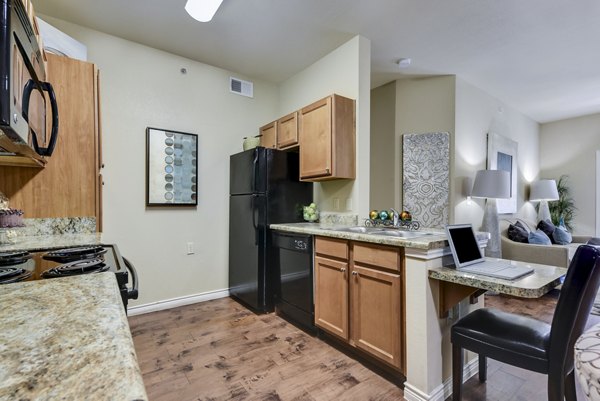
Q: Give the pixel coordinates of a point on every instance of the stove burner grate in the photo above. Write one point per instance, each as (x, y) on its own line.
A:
(74, 254)
(76, 268)
(13, 274)
(14, 258)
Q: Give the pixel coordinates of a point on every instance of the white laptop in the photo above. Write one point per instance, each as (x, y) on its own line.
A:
(468, 258)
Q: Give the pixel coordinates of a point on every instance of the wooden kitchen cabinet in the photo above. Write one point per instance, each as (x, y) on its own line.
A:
(327, 139)
(376, 313)
(269, 135)
(70, 184)
(331, 286)
(359, 296)
(287, 131)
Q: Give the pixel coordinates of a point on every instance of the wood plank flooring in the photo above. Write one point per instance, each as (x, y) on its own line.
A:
(218, 350)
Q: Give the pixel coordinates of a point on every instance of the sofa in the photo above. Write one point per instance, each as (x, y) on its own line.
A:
(555, 255)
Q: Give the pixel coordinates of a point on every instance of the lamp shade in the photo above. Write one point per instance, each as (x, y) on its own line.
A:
(491, 184)
(543, 190)
(202, 10)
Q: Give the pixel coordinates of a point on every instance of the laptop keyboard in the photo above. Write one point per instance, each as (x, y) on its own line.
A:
(488, 267)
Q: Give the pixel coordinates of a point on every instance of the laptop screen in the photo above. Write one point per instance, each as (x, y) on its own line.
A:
(463, 243)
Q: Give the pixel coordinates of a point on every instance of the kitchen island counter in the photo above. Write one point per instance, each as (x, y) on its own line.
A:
(67, 338)
(35, 243)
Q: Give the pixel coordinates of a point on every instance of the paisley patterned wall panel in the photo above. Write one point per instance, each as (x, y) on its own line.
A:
(426, 177)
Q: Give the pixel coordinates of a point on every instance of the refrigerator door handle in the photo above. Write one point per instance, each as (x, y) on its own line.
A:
(253, 207)
(254, 170)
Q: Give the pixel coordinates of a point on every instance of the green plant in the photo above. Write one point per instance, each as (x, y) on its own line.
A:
(565, 205)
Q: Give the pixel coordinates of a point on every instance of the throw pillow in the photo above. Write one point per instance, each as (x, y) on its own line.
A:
(523, 226)
(561, 236)
(539, 237)
(594, 241)
(517, 234)
(547, 227)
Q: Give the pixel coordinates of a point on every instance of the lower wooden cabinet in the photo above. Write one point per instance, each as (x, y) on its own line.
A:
(359, 296)
(376, 313)
(331, 296)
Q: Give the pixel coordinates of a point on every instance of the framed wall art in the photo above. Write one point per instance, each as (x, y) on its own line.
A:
(171, 168)
(502, 155)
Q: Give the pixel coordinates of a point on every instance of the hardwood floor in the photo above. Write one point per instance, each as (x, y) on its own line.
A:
(218, 350)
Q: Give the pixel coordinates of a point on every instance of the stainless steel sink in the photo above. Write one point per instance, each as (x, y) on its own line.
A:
(359, 229)
(402, 234)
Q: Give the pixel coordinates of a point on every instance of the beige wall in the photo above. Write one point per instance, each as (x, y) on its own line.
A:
(569, 147)
(347, 72)
(422, 105)
(383, 140)
(142, 87)
(478, 113)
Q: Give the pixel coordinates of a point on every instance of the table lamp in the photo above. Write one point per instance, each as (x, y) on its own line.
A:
(492, 184)
(543, 191)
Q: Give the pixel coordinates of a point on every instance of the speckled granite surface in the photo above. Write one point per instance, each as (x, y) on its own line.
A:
(341, 219)
(67, 339)
(58, 225)
(534, 285)
(45, 242)
(435, 239)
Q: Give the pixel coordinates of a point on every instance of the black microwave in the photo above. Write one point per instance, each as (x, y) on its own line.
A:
(24, 92)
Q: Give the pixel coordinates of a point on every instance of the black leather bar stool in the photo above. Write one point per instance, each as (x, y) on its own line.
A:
(529, 343)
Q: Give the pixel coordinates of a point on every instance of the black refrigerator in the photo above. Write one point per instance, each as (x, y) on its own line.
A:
(264, 189)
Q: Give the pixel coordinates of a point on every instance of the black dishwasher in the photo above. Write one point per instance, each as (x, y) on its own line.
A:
(294, 285)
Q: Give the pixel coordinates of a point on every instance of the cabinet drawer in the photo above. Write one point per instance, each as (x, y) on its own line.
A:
(337, 248)
(377, 255)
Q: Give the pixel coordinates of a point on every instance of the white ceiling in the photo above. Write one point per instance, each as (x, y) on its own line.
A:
(540, 56)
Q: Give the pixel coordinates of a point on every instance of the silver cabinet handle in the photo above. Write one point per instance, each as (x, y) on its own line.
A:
(355, 273)
(343, 270)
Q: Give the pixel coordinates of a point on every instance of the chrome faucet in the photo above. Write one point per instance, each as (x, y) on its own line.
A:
(395, 217)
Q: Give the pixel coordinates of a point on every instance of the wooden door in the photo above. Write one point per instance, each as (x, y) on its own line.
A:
(316, 140)
(287, 131)
(377, 313)
(269, 135)
(331, 296)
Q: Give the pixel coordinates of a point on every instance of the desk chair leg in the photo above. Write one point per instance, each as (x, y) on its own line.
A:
(556, 387)
(482, 368)
(570, 393)
(457, 372)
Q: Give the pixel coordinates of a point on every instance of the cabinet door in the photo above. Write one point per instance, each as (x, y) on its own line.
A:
(269, 135)
(316, 140)
(287, 131)
(331, 296)
(377, 314)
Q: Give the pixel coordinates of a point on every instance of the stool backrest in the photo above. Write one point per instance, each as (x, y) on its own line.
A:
(574, 305)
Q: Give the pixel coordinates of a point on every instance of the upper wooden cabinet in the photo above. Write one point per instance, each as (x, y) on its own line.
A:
(70, 184)
(269, 135)
(327, 139)
(287, 131)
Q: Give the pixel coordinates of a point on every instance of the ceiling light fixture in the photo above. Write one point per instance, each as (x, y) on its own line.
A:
(404, 63)
(202, 10)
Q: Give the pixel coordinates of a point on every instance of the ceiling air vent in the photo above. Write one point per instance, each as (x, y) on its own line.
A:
(244, 88)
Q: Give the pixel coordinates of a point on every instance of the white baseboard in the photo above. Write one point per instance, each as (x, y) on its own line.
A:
(444, 390)
(175, 302)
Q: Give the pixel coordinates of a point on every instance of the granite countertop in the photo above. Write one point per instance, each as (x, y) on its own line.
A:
(534, 285)
(45, 242)
(436, 238)
(68, 339)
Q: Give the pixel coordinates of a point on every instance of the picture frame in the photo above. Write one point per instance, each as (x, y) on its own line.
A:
(171, 168)
(502, 155)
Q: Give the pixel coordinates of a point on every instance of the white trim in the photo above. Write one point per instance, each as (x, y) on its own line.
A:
(598, 193)
(444, 390)
(175, 302)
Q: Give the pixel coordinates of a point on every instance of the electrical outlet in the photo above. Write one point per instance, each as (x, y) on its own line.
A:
(190, 248)
(336, 203)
